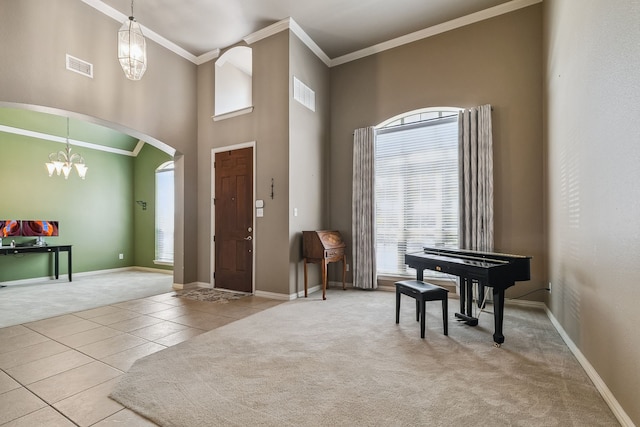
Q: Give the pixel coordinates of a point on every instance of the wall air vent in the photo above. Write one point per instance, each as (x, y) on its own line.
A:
(79, 66)
(304, 95)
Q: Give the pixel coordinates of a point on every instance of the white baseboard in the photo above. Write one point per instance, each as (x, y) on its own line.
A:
(606, 394)
(274, 295)
(152, 270)
(188, 286)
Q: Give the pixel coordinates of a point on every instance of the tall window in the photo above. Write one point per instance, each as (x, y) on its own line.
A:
(164, 214)
(416, 176)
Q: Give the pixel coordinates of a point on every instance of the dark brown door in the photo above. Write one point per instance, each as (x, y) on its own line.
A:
(234, 220)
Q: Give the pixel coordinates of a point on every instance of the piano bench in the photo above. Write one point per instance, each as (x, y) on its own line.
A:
(422, 292)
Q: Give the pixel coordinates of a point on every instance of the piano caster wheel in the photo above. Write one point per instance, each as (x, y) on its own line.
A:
(497, 344)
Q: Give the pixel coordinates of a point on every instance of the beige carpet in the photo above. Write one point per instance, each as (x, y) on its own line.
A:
(50, 298)
(344, 362)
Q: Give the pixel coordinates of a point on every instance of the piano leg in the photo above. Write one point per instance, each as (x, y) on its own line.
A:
(469, 289)
(498, 308)
(466, 302)
(480, 295)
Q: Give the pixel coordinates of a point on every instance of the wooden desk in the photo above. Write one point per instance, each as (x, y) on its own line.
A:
(53, 249)
(322, 247)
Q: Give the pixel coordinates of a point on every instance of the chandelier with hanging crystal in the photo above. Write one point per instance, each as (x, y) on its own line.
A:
(132, 48)
(63, 161)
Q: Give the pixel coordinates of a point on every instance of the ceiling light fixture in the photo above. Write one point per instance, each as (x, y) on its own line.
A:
(63, 161)
(132, 48)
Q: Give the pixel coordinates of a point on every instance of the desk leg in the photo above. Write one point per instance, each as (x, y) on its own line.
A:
(56, 258)
(344, 272)
(324, 279)
(69, 262)
(305, 277)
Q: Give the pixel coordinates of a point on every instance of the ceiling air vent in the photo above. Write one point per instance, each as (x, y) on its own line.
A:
(79, 66)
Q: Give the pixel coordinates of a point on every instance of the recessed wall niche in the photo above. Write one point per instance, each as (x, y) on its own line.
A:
(233, 81)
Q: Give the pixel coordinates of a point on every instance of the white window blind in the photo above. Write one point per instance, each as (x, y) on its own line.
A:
(416, 178)
(164, 214)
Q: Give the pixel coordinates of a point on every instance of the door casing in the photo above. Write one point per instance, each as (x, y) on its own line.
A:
(212, 246)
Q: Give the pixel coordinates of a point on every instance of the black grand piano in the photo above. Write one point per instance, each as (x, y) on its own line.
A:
(495, 270)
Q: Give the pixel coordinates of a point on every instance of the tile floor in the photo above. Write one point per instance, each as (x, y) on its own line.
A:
(60, 371)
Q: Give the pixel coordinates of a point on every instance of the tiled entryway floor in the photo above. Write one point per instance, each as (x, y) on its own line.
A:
(60, 371)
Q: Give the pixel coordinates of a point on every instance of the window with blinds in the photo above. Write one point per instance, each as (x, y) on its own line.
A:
(164, 214)
(416, 180)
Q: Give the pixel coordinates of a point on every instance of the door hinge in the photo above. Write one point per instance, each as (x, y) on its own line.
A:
(214, 238)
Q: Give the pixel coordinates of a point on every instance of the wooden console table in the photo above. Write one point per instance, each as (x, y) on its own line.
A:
(323, 247)
(53, 249)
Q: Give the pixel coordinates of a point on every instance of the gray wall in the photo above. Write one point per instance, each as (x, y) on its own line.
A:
(592, 90)
(36, 35)
(497, 61)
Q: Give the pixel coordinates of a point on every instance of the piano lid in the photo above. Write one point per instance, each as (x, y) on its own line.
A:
(471, 253)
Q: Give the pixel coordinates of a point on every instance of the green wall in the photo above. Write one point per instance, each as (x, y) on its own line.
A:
(97, 216)
(145, 165)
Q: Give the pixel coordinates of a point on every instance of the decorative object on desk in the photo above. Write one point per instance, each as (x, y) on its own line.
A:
(132, 48)
(63, 161)
(143, 204)
(209, 295)
(10, 227)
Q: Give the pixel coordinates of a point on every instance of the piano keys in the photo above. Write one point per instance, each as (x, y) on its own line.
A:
(495, 270)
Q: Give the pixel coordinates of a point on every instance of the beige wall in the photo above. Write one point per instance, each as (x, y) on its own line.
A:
(592, 90)
(34, 38)
(307, 158)
(497, 61)
(267, 125)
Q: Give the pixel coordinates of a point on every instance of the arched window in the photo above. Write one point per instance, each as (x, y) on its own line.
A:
(164, 214)
(233, 81)
(416, 179)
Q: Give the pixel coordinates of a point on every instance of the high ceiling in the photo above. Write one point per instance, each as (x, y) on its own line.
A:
(338, 27)
(199, 27)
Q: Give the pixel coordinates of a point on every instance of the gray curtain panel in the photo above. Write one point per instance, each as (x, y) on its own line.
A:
(363, 209)
(476, 178)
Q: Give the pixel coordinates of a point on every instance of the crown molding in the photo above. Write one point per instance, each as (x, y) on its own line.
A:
(435, 30)
(206, 57)
(152, 35)
(75, 142)
(267, 31)
(290, 24)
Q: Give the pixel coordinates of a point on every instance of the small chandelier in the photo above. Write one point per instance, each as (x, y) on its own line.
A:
(132, 48)
(63, 161)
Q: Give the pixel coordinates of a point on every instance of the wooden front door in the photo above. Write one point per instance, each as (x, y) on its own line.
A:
(234, 220)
